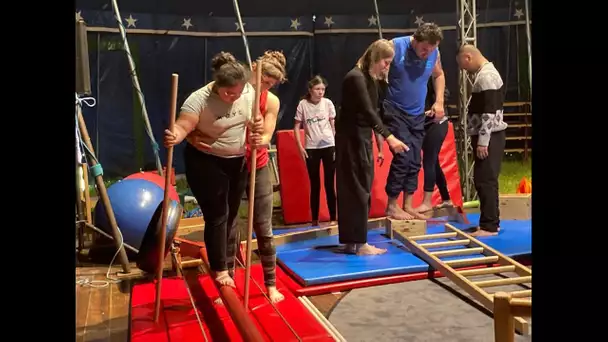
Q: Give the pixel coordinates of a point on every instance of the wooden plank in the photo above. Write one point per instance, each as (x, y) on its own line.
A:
(407, 227)
(83, 297)
(97, 327)
(120, 298)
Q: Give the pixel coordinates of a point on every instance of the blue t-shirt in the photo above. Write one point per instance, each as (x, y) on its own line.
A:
(408, 77)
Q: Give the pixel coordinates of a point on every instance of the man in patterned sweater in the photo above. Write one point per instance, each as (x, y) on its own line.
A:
(486, 127)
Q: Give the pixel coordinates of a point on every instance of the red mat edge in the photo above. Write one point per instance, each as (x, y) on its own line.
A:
(315, 290)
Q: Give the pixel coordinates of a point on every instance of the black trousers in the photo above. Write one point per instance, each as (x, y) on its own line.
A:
(354, 176)
(218, 184)
(431, 146)
(315, 157)
(403, 174)
(485, 174)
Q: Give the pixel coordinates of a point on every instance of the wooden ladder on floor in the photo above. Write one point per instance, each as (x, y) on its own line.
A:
(448, 268)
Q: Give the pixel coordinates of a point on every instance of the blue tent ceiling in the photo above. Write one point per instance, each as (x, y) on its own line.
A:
(251, 8)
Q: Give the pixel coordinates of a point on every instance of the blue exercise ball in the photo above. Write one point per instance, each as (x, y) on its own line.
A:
(134, 202)
(148, 256)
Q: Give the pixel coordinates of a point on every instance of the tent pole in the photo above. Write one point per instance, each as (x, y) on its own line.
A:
(135, 80)
(529, 40)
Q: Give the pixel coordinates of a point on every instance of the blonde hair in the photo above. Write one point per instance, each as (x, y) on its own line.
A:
(376, 51)
(274, 63)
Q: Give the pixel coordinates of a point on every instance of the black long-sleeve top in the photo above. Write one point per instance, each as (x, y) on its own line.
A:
(359, 105)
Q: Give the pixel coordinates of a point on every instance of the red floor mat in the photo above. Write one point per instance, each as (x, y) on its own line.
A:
(178, 323)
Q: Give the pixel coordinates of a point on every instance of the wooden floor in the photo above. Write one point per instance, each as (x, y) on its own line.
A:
(102, 312)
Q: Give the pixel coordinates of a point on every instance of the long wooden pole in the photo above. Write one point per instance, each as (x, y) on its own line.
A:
(102, 193)
(256, 111)
(165, 216)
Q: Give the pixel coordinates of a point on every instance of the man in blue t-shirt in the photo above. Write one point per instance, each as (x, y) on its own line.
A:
(416, 60)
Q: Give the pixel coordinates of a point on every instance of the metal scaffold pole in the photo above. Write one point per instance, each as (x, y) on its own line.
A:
(467, 31)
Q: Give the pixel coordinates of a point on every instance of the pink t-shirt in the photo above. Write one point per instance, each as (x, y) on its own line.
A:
(315, 118)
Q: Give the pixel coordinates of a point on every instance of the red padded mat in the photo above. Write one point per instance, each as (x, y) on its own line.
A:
(295, 186)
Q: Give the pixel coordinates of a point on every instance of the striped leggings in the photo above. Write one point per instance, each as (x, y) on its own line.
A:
(262, 226)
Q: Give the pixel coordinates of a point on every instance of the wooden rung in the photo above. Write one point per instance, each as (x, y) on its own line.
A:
(460, 251)
(521, 307)
(517, 150)
(519, 138)
(445, 243)
(472, 261)
(503, 281)
(516, 114)
(487, 270)
(521, 294)
(434, 236)
(521, 302)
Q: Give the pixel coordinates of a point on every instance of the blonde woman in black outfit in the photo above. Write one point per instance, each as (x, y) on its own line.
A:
(357, 119)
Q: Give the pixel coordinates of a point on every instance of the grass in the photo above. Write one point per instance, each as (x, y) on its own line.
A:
(512, 171)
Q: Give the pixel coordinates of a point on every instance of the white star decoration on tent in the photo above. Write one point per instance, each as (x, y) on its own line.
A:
(238, 28)
(518, 13)
(372, 21)
(131, 21)
(419, 21)
(295, 24)
(187, 23)
(329, 21)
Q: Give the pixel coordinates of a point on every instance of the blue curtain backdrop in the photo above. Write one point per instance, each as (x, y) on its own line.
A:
(182, 36)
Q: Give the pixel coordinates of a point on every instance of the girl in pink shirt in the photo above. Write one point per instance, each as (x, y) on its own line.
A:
(316, 115)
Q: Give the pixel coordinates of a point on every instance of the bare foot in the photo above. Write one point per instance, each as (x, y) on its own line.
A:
(368, 249)
(224, 279)
(350, 248)
(414, 214)
(423, 208)
(218, 301)
(444, 204)
(274, 294)
(481, 233)
(397, 213)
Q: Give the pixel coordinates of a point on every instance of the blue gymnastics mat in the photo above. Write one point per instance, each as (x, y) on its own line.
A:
(313, 262)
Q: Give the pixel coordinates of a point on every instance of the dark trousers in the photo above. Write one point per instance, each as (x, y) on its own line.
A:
(262, 223)
(431, 146)
(403, 174)
(218, 185)
(315, 157)
(354, 175)
(485, 174)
